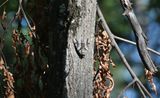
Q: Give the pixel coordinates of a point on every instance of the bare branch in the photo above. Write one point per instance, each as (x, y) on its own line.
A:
(143, 94)
(141, 38)
(4, 3)
(20, 9)
(133, 43)
(114, 44)
(131, 83)
(15, 17)
(24, 14)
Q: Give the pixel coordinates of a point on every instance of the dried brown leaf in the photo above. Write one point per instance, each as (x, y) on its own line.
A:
(149, 76)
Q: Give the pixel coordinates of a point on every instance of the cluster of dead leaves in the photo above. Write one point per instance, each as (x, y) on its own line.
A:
(8, 79)
(103, 80)
(149, 76)
(18, 40)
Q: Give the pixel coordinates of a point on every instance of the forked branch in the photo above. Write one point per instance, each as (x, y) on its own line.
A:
(115, 45)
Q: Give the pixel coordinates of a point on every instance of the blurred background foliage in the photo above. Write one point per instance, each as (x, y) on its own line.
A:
(28, 78)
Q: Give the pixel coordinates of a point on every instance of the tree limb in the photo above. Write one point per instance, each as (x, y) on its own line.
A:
(28, 23)
(133, 43)
(4, 3)
(131, 83)
(141, 90)
(114, 44)
(141, 38)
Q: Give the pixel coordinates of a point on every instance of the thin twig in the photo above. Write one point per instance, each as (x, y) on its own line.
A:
(141, 90)
(131, 83)
(114, 44)
(143, 87)
(133, 43)
(20, 9)
(24, 14)
(15, 17)
(4, 3)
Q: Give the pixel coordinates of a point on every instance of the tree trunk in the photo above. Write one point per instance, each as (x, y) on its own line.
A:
(70, 27)
(80, 49)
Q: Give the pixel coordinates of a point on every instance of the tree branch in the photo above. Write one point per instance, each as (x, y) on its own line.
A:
(4, 3)
(15, 17)
(131, 83)
(133, 43)
(141, 90)
(141, 38)
(20, 9)
(24, 14)
(114, 44)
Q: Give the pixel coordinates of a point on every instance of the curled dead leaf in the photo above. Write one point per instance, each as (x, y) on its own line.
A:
(149, 76)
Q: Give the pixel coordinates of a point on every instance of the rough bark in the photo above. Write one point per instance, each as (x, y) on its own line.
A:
(70, 75)
(79, 61)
